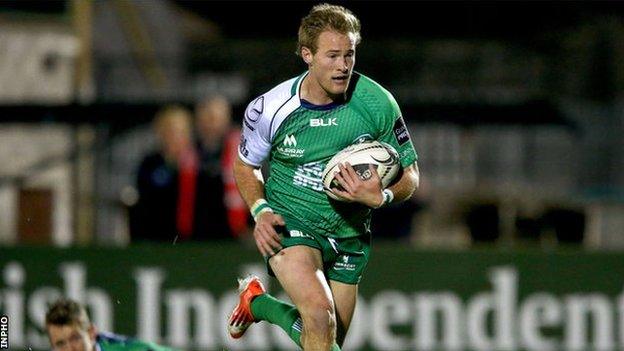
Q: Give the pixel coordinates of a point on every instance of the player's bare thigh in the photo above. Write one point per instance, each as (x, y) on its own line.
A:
(300, 271)
(345, 297)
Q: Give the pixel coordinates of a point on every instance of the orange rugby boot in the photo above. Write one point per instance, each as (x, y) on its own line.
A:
(241, 317)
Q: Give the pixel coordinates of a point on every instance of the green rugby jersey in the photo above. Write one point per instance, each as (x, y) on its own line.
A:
(114, 342)
(299, 138)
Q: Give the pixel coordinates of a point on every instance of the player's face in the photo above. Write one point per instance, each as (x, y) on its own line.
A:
(332, 64)
(71, 338)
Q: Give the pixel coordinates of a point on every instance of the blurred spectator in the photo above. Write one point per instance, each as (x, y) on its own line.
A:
(167, 183)
(217, 143)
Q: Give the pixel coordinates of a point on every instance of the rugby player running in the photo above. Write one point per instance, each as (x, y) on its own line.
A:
(317, 248)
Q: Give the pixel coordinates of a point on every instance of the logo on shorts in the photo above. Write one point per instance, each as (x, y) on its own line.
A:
(342, 264)
(299, 234)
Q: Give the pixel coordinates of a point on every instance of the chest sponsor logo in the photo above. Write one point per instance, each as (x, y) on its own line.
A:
(289, 147)
(323, 122)
(309, 176)
(290, 140)
(400, 131)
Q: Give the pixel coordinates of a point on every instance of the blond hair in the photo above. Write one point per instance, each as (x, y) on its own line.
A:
(326, 17)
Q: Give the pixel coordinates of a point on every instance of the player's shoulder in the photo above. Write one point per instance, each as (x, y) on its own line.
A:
(107, 337)
(372, 94)
(271, 101)
(109, 341)
(284, 90)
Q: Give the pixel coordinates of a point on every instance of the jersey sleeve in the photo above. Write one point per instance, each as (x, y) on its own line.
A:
(394, 132)
(255, 144)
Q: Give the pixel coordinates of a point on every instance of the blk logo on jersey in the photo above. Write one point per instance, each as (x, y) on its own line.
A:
(323, 122)
(400, 131)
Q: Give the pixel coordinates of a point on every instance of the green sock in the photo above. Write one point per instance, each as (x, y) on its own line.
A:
(267, 308)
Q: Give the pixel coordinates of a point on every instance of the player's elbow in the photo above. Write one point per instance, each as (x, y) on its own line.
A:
(413, 178)
(408, 183)
(239, 168)
(243, 171)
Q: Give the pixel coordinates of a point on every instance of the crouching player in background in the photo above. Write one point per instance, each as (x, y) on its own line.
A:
(316, 248)
(69, 328)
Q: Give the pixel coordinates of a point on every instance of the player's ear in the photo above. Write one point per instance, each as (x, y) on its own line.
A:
(307, 55)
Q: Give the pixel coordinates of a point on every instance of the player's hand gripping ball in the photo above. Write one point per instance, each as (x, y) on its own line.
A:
(382, 156)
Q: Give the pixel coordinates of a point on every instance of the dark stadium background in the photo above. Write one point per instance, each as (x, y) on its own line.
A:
(514, 241)
(509, 20)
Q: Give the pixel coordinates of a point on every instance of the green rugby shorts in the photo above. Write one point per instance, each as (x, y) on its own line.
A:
(344, 259)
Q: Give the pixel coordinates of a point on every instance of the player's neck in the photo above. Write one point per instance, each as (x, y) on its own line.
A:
(313, 93)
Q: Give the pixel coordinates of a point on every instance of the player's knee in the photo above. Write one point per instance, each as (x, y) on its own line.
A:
(321, 321)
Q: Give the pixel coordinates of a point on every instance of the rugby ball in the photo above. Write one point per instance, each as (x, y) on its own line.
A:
(382, 156)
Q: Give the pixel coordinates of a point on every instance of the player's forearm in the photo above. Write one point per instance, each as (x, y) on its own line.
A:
(407, 184)
(250, 187)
